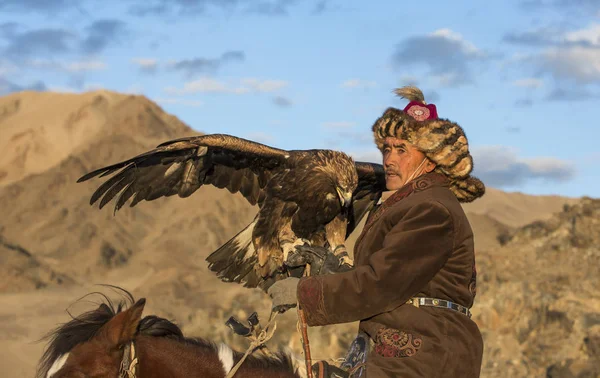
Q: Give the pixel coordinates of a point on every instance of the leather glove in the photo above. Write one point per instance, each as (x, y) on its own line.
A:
(321, 260)
(283, 293)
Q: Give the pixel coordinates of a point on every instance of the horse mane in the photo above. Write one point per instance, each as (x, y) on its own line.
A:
(159, 327)
(85, 326)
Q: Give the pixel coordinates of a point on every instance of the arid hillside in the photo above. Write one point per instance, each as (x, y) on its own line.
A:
(537, 255)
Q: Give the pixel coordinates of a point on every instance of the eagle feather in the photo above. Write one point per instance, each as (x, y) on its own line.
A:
(301, 195)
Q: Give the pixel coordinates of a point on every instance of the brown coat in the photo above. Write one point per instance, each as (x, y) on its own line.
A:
(417, 243)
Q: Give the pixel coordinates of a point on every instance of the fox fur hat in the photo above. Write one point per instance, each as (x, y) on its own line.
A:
(442, 141)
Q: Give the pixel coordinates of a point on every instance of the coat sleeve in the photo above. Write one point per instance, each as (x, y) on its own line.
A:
(414, 250)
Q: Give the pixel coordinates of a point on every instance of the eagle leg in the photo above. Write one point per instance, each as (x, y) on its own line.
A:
(290, 246)
(288, 241)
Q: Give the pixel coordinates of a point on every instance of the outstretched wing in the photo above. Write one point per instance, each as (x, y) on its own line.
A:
(371, 182)
(183, 165)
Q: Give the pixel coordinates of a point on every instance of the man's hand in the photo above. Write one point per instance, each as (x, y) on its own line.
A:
(283, 293)
(321, 260)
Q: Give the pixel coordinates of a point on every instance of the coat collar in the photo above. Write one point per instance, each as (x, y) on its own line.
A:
(417, 185)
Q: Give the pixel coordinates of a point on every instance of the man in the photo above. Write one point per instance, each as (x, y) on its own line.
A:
(413, 279)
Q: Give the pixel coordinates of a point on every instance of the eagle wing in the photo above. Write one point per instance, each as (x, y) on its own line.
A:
(371, 182)
(181, 166)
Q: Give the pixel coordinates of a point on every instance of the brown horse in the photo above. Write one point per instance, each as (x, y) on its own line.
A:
(112, 341)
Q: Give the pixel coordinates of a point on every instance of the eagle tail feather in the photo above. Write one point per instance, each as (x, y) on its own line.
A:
(234, 261)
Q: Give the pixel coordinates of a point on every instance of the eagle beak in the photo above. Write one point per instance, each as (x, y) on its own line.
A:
(345, 198)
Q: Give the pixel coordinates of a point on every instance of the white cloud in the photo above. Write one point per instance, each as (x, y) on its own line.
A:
(358, 83)
(449, 58)
(528, 83)
(589, 35)
(500, 166)
(577, 63)
(572, 56)
(468, 47)
(210, 85)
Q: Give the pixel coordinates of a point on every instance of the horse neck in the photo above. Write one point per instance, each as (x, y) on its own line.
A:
(164, 357)
(160, 357)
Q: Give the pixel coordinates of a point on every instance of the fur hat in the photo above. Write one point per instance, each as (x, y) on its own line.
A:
(442, 141)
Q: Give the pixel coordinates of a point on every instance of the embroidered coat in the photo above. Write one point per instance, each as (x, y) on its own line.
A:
(417, 243)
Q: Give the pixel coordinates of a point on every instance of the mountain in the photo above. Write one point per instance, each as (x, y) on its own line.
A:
(539, 306)
(54, 247)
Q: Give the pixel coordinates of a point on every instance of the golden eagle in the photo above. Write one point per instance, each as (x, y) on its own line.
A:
(304, 196)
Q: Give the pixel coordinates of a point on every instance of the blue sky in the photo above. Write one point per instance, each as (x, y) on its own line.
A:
(521, 77)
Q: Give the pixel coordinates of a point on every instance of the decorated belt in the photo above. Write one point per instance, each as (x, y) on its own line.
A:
(439, 303)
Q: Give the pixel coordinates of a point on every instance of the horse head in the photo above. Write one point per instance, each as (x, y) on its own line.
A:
(102, 354)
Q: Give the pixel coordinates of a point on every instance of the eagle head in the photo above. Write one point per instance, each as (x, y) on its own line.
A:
(341, 170)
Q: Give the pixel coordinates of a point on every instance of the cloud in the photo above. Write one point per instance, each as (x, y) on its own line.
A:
(39, 42)
(45, 6)
(90, 65)
(271, 8)
(195, 7)
(528, 83)
(320, 7)
(7, 86)
(192, 67)
(52, 42)
(571, 94)
(447, 55)
(358, 83)
(545, 36)
(281, 101)
(146, 65)
(100, 34)
(571, 56)
(556, 36)
(571, 59)
(500, 167)
(72, 67)
(209, 85)
(578, 64)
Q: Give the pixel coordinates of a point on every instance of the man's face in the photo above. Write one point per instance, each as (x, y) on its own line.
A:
(400, 160)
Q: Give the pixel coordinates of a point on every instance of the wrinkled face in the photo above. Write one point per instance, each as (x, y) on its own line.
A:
(92, 359)
(401, 160)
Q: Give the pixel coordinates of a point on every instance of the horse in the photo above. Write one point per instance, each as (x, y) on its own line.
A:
(115, 341)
